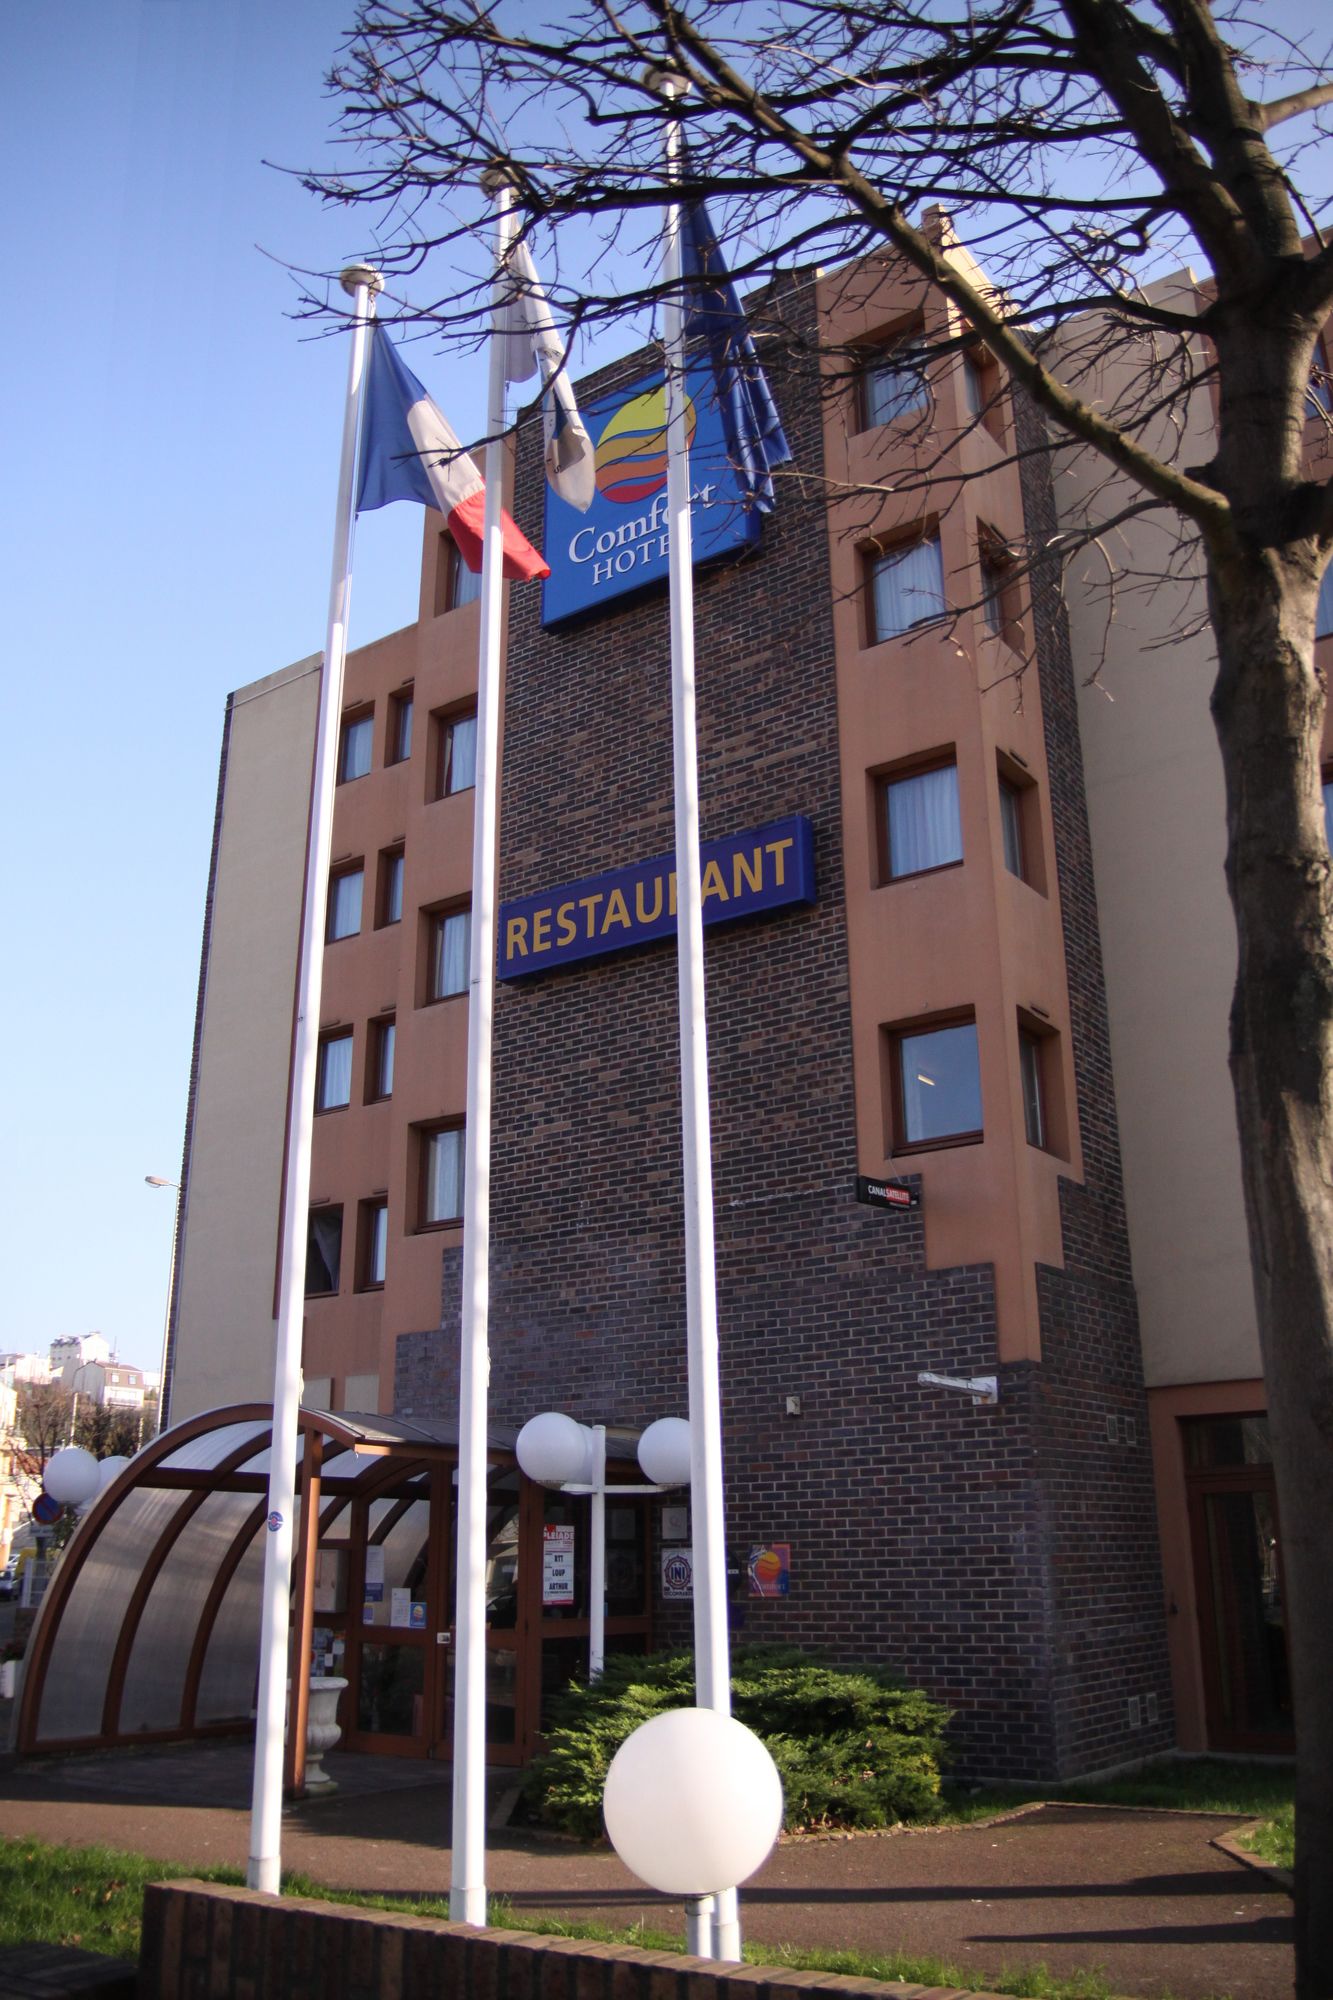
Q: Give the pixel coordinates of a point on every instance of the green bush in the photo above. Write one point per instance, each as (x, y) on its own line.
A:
(853, 1746)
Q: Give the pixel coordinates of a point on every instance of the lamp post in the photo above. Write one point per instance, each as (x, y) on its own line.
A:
(157, 1181)
(557, 1451)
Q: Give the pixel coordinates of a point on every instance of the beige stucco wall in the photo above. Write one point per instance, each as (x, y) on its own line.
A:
(225, 1325)
(1157, 814)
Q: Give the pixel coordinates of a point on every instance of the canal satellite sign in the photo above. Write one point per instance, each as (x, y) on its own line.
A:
(886, 1194)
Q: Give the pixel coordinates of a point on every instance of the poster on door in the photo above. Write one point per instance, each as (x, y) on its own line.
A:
(558, 1563)
(677, 1575)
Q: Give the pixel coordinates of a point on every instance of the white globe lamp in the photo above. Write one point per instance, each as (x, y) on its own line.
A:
(692, 1802)
(555, 1450)
(110, 1469)
(71, 1476)
(664, 1452)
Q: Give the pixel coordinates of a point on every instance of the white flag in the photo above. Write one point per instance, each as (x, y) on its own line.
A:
(532, 343)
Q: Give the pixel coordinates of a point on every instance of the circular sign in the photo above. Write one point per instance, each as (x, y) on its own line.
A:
(274, 1522)
(46, 1511)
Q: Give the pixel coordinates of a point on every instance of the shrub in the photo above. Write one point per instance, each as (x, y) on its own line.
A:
(853, 1746)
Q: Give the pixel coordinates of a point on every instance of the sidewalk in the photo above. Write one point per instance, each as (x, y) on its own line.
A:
(1144, 1897)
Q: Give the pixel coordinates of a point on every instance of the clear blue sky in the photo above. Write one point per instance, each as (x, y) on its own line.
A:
(171, 443)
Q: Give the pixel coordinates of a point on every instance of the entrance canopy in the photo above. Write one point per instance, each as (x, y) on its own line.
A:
(149, 1630)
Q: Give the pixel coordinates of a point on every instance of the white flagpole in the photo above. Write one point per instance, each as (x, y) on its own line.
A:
(713, 1932)
(361, 283)
(467, 1891)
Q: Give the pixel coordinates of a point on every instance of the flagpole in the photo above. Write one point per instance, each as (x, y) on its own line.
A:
(467, 1892)
(714, 1932)
(264, 1871)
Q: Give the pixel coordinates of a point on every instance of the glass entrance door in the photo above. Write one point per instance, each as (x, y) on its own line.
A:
(398, 1546)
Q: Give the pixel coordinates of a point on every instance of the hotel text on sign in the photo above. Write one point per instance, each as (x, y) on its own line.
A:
(767, 868)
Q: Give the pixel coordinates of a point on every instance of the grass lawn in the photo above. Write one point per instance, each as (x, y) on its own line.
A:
(92, 1896)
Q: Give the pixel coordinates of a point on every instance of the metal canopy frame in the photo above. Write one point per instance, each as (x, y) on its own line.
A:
(150, 1596)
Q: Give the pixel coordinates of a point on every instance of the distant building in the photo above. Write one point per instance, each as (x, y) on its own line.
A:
(114, 1383)
(16, 1368)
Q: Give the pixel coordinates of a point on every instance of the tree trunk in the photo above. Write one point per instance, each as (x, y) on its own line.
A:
(1268, 708)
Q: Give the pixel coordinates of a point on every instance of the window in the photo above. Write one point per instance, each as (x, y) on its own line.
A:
(1020, 823)
(1319, 395)
(399, 747)
(373, 1244)
(906, 588)
(999, 586)
(1323, 618)
(455, 753)
(1029, 1065)
(919, 822)
(354, 750)
(1328, 813)
(323, 1252)
(345, 888)
(391, 887)
(379, 1074)
(936, 1085)
(1011, 826)
(455, 584)
(333, 1071)
(892, 381)
(441, 1175)
(981, 390)
(448, 941)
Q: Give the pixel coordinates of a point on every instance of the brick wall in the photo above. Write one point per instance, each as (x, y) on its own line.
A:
(949, 1540)
(215, 1943)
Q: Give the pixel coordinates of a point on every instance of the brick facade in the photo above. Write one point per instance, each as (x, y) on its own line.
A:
(1004, 1558)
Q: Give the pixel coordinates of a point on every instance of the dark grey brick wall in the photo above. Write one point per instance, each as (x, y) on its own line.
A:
(961, 1544)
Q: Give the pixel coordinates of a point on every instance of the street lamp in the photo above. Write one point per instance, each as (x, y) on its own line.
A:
(557, 1451)
(157, 1181)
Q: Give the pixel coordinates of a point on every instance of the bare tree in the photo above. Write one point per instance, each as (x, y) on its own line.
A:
(1081, 146)
(43, 1422)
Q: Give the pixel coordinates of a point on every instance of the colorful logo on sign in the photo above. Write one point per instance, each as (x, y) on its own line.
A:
(623, 541)
(766, 868)
(631, 453)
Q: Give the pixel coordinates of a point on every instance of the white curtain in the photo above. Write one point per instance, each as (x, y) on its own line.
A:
(345, 904)
(894, 386)
(388, 1034)
(924, 831)
(909, 587)
(451, 953)
(335, 1072)
(357, 738)
(444, 1176)
(462, 754)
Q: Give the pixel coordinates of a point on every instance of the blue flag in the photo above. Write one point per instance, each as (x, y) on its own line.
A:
(750, 420)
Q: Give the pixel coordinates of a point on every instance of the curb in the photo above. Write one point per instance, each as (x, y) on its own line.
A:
(1229, 1843)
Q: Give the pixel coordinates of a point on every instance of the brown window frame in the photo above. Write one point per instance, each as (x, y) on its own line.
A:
(375, 1057)
(434, 917)
(983, 386)
(1042, 1038)
(353, 719)
(1001, 600)
(904, 338)
(443, 722)
(873, 554)
(1015, 781)
(402, 709)
(365, 1242)
(450, 569)
(423, 1135)
(324, 1208)
(395, 853)
(337, 875)
(326, 1040)
(893, 1035)
(945, 757)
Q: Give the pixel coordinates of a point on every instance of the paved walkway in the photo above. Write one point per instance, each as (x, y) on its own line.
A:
(1144, 1897)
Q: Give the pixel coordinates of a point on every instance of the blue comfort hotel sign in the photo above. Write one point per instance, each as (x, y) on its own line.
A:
(766, 868)
(622, 542)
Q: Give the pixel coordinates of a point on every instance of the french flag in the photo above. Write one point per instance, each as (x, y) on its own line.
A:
(409, 452)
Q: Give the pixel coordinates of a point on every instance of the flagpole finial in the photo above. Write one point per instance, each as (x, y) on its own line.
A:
(357, 275)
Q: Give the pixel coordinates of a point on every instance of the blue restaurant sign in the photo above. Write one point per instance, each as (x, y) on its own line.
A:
(766, 868)
(622, 542)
